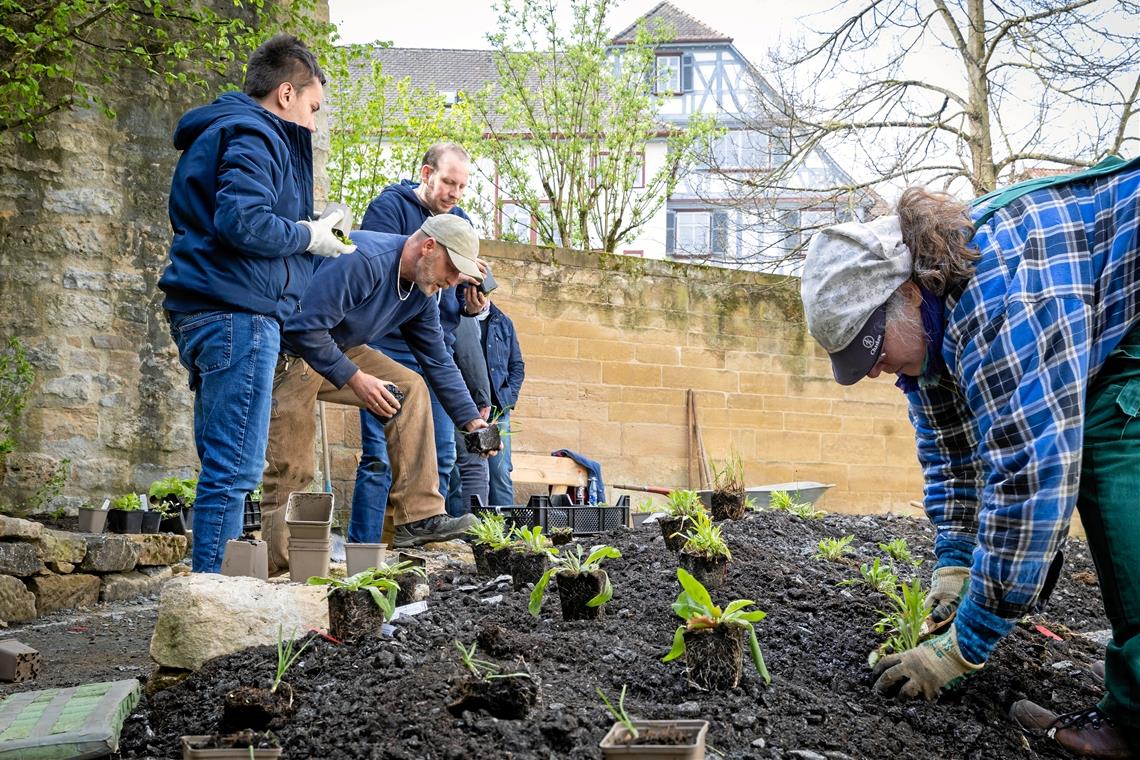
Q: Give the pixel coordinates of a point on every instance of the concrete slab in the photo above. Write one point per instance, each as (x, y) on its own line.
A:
(56, 724)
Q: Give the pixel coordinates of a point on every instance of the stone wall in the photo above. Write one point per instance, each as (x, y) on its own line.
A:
(612, 343)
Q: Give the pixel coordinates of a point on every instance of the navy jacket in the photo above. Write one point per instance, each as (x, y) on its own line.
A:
(504, 359)
(244, 179)
(353, 299)
(399, 211)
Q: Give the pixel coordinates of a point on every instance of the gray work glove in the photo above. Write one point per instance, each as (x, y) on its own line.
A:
(948, 588)
(323, 241)
(929, 669)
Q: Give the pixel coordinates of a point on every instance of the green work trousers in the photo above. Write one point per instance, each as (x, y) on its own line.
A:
(1109, 504)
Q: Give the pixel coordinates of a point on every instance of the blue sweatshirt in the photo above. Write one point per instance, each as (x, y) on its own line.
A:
(399, 211)
(355, 298)
(243, 181)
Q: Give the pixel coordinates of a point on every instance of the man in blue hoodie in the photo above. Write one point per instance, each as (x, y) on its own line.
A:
(401, 209)
(241, 256)
(389, 284)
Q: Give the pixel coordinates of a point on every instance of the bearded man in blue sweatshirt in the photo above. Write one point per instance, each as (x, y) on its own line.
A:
(390, 283)
(400, 209)
(241, 256)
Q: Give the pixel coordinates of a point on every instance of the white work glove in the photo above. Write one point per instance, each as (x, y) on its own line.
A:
(323, 241)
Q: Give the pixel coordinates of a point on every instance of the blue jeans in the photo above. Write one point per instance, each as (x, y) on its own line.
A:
(230, 357)
(501, 489)
(374, 474)
(471, 473)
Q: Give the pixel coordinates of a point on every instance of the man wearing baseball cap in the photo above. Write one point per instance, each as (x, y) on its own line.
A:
(390, 284)
(1012, 327)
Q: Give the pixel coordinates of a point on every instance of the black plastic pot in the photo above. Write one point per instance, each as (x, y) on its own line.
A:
(483, 440)
(124, 521)
(251, 517)
(173, 524)
(151, 520)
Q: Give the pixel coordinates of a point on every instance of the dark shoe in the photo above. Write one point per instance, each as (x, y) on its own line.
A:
(430, 529)
(1084, 733)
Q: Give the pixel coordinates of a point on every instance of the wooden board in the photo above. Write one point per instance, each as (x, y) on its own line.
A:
(552, 471)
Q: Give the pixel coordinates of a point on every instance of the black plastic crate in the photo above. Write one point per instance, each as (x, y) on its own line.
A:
(558, 512)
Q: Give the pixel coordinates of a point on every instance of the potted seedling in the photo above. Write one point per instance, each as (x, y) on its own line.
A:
(244, 745)
(681, 506)
(705, 554)
(258, 708)
(125, 515)
(406, 574)
(682, 739)
(643, 512)
(530, 553)
(583, 587)
(93, 519)
(562, 536)
(507, 696)
(711, 639)
(728, 489)
(490, 545)
(359, 604)
(487, 439)
(173, 497)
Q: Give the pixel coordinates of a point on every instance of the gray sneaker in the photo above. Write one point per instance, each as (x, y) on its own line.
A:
(430, 529)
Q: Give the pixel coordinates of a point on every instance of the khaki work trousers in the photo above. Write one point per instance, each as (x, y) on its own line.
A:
(292, 436)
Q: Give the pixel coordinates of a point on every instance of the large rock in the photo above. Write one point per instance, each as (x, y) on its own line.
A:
(18, 558)
(159, 549)
(16, 602)
(14, 527)
(118, 587)
(202, 616)
(61, 546)
(63, 592)
(109, 554)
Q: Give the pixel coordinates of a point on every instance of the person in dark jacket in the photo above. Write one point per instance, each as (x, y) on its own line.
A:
(506, 369)
(241, 256)
(470, 469)
(401, 209)
(390, 283)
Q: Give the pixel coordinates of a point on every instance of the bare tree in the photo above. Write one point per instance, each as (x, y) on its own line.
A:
(966, 93)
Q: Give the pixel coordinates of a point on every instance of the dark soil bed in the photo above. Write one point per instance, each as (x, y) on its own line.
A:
(387, 698)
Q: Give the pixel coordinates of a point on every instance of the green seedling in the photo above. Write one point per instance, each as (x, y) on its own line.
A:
(685, 504)
(127, 502)
(377, 583)
(902, 622)
(572, 563)
(490, 530)
(783, 501)
(877, 576)
(619, 713)
(704, 538)
(807, 511)
(696, 608)
(834, 548)
(484, 670)
(286, 655)
(396, 569)
(730, 477)
(752, 505)
(530, 540)
(900, 552)
(183, 489)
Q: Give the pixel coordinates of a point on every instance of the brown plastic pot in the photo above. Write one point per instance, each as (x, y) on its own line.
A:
(246, 557)
(309, 515)
(575, 589)
(353, 615)
(714, 657)
(308, 558)
(712, 573)
(361, 557)
(616, 742)
(191, 750)
(92, 520)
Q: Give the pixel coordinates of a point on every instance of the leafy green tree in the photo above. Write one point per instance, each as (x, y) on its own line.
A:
(56, 54)
(570, 118)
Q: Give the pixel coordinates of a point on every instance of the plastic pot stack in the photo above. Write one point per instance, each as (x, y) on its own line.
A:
(309, 519)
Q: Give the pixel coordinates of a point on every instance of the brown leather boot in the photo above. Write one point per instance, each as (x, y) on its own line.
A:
(1084, 733)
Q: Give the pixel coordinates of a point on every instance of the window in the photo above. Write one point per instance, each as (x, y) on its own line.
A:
(697, 233)
(747, 149)
(515, 223)
(693, 228)
(668, 79)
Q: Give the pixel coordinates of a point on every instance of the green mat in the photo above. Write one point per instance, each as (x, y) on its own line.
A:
(61, 724)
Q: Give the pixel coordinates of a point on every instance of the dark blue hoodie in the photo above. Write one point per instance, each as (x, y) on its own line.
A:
(243, 181)
(399, 211)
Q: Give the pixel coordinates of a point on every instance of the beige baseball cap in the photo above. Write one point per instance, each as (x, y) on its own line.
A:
(458, 236)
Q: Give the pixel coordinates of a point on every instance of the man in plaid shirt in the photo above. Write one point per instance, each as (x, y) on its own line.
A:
(1017, 345)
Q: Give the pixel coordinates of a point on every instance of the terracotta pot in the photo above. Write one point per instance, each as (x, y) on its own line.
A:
(686, 740)
(575, 589)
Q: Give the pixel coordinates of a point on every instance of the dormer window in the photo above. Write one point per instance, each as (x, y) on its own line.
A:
(450, 97)
(668, 75)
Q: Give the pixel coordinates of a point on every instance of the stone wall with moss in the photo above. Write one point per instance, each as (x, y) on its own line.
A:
(612, 343)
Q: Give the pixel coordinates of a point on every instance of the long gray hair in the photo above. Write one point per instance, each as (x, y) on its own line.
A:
(937, 230)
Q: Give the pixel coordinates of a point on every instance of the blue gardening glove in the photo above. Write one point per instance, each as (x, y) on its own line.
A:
(929, 669)
(948, 588)
(322, 240)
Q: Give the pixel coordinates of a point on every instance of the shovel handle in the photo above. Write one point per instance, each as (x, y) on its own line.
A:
(645, 489)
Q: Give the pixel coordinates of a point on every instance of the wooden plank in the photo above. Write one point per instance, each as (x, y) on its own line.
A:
(554, 471)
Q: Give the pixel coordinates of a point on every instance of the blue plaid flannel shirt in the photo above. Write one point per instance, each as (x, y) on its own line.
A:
(999, 437)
